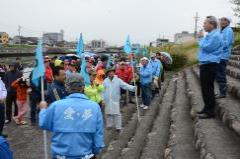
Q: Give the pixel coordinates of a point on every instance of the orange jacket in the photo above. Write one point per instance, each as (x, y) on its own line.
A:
(21, 91)
(48, 74)
(125, 74)
(100, 76)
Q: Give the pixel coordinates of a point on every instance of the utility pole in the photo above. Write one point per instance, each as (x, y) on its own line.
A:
(19, 30)
(19, 33)
(196, 19)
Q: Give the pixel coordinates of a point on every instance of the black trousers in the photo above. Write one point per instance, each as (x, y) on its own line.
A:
(2, 117)
(11, 98)
(34, 110)
(207, 77)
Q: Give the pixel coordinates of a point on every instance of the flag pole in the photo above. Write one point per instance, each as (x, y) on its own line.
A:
(44, 131)
(128, 50)
(136, 95)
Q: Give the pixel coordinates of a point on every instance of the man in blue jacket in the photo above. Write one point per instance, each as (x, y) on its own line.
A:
(145, 74)
(156, 73)
(76, 123)
(209, 57)
(57, 90)
(228, 39)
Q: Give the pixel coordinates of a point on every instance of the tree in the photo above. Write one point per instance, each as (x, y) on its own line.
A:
(236, 9)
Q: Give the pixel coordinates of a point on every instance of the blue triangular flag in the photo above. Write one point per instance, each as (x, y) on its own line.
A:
(80, 45)
(39, 68)
(84, 73)
(145, 52)
(128, 46)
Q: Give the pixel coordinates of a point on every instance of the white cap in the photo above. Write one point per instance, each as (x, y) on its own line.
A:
(228, 18)
(144, 58)
(153, 55)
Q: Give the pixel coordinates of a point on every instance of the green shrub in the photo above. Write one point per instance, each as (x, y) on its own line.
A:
(236, 42)
(183, 55)
(179, 60)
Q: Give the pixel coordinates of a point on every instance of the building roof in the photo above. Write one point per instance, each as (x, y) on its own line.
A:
(53, 33)
(3, 32)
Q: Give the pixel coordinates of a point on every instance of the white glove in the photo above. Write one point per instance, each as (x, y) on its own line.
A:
(134, 89)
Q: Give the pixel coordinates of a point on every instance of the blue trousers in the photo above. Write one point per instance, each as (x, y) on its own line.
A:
(221, 77)
(221, 72)
(146, 94)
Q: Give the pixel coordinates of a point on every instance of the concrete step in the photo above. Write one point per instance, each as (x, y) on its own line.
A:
(181, 140)
(213, 138)
(228, 109)
(138, 142)
(233, 72)
(234, 63)
(235, 52)
(233, 87)
(232, 84)
(158, 137)
(116, 147)
(111, 135)
(235, 57)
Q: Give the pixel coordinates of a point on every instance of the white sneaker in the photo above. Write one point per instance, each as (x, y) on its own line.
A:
(7, 121)
(145, 107)
(142, 105)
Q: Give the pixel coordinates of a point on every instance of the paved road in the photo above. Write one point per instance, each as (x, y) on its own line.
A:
(26, 141)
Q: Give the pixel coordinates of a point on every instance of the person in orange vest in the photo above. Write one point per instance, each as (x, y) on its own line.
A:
(100, 76)
(48, 70)
(100, 69)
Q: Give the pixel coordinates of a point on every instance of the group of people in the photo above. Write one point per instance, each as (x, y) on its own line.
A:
(78, 96)
(80, 92)
(214, 53)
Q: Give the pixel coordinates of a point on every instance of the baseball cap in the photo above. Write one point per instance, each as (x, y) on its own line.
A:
(74, 81)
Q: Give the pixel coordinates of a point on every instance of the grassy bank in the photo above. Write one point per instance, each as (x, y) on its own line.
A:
(183, 55)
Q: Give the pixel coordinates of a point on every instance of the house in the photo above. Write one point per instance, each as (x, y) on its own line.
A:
(53, 38)
(25, 40)
(95, 44)
(161, 42)
(183, 37)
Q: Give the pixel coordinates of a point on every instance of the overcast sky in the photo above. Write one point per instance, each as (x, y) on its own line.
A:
(111, 20)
